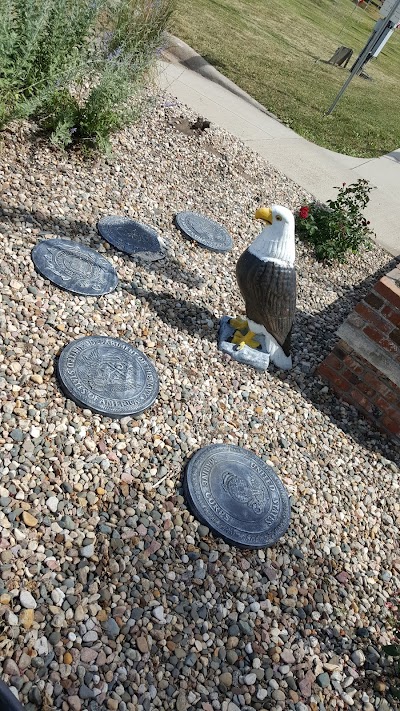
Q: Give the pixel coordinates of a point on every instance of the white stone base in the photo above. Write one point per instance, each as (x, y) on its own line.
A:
(258, 359)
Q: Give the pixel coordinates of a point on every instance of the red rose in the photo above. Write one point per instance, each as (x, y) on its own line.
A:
(304, 212)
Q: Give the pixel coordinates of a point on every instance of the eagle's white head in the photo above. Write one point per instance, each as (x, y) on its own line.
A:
(276, 242)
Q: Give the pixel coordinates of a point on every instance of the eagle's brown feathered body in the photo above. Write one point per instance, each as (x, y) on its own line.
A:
(269, 292)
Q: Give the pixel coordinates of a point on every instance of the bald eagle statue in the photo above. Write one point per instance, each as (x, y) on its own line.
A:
(267, 280)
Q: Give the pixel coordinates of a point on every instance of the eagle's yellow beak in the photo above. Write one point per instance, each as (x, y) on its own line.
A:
(264, 213)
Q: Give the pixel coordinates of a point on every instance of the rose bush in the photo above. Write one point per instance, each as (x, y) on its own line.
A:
(304, 212)
(339, 227)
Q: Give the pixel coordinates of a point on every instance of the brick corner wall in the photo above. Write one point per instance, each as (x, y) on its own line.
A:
(364, 366)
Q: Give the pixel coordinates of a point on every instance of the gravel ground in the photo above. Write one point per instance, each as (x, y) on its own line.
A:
(111, 594)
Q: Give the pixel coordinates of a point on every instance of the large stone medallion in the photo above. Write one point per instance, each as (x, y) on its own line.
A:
(206, 232)
(131, 237)
(237, 495)
(74, 267)
(107, 376)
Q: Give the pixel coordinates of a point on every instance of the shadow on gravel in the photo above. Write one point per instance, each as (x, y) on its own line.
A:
(181, 314)
(168, 267)
(48, 226)
(314, 335)
(71, 229)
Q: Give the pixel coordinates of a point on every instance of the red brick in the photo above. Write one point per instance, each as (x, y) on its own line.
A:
(395, 336)
(333, 362)
(381, 403)
(392, 395)
(354, 365)
(390, 424)
(395, 415)
(385, 343)
(388, 289)
(386, 391)
(360, 400)
(389, 392)
(323, 369)
(385, 407)
(372, 379)
(351, 376)
(374, 300)
(357, 358)
(391, 315)
(366, 389)
(337, 381)
(342, 348)
(372, 317)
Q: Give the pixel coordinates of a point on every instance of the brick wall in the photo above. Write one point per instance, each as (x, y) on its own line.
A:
(364, 366)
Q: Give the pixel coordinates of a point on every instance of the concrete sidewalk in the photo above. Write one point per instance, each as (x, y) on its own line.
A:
(314, 168)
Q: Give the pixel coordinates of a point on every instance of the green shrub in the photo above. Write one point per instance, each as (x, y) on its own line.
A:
(77, 67)
(339, 227)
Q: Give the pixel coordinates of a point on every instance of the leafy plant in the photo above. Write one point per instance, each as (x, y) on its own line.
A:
(393, 650)
(77, 67)
(339, 227)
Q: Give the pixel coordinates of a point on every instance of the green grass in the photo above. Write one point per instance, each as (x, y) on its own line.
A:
(270, 48)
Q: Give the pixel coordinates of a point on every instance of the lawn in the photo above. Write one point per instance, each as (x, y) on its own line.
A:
(273, 48)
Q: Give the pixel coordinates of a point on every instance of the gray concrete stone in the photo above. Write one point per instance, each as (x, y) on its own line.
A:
(371, 351)
(249, 356)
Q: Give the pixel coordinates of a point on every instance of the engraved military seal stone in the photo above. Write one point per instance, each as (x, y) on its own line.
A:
(74, 267)
(237, 495)
(131, 237)
(206, 232)
(108, 376)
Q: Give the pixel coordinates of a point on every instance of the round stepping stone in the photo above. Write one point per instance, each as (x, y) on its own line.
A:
(108, 376)
(74, 267)
(131, 237)
(206, 232)
(237, 495)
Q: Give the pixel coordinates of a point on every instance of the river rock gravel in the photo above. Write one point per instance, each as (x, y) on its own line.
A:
(112, 596)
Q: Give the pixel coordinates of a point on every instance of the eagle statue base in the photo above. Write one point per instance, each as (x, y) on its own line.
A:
(241, 352)
(266, 277)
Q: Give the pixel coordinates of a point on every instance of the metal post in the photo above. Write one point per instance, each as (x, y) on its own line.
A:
(382, 27)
